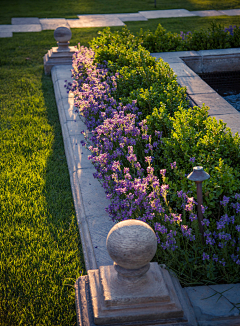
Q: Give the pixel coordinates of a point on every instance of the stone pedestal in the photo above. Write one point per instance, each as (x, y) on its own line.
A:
(61, 55)
(132, 291)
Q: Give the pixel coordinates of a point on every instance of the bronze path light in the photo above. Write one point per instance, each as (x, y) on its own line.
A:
(199, 175)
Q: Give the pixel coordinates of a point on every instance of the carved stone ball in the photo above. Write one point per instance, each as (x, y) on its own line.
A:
(131, 244)
(62, 34)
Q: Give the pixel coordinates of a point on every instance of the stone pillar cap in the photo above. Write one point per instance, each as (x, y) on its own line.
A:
(131, 244)
(62, 34)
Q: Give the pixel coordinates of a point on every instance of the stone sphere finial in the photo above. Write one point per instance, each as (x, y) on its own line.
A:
(63, 36)
(131, 244)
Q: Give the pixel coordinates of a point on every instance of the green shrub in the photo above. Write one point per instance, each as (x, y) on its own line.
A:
(185, 137)
(192, 134)
(161, 41)
(215, 37)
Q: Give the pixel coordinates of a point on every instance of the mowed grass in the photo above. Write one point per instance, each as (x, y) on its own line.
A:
(176, 25)
(41, 254)
(72, 8)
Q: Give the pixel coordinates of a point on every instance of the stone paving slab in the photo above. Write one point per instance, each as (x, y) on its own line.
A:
(195, 85)
(75, 127)
(174, 57)
(80, 152)
(182, 70)
(218, 52)
(25, 21)
(53, 23)
(20, 28)
(128, 17)
(216, 103)
(98, 21)
(99, 222)
(70, 110)
(62, 90)
(215, 307)
(166, 13)
(207, 13)
(232, 121)
(5, 34)
(63, 73)
(230, 12)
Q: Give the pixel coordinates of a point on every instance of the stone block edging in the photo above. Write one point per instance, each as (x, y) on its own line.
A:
(89, 197)
(186, 65)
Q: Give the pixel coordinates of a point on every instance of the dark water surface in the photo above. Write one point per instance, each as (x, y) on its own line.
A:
(226, 84)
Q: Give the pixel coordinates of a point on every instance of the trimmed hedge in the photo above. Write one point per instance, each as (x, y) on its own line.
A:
(146, 139)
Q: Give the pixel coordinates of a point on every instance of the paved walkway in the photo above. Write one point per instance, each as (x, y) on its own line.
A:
(34, 24)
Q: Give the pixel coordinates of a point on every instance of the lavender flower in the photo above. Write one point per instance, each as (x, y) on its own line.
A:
(205, 256)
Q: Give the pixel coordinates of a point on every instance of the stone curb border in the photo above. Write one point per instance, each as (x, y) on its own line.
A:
(89, 197)
(76, 190)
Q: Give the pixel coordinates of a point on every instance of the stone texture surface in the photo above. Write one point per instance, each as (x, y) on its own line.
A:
(230, 12)
(25, 21)
(232, 121)
(218, 52)
(85, 312)
(206, 13)
(20, 28)
(61, 55)
(175, 57)
(98, 21)
(167, 57)
(182, 70)
(62, 34)
(80, 152)
(149, 289)
(209, 305)
(131, 305)
(53, 23)
(76, 23)
(63, 72)
(216, 103)
(5, 34)
(131, 244)
(218, 63)
(195, 85)
(166, 13)
(128, 17)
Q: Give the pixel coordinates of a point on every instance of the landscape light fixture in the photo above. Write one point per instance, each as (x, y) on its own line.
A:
(198, 176)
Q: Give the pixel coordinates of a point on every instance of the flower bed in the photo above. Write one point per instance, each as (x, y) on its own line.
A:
(145, 140)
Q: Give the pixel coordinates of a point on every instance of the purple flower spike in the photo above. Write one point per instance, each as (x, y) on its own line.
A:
(205, 256)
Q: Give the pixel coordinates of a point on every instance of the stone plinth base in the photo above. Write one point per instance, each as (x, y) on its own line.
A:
(57, 56)
(156, 299)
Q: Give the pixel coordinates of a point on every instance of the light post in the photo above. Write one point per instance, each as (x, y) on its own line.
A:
(198, 176)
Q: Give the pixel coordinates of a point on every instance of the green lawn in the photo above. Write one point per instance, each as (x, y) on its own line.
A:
(71, 8)
(41, 254)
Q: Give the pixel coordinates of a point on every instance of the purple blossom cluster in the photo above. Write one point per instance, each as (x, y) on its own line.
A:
(231, 29)
(122, 150)
(184, 35)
